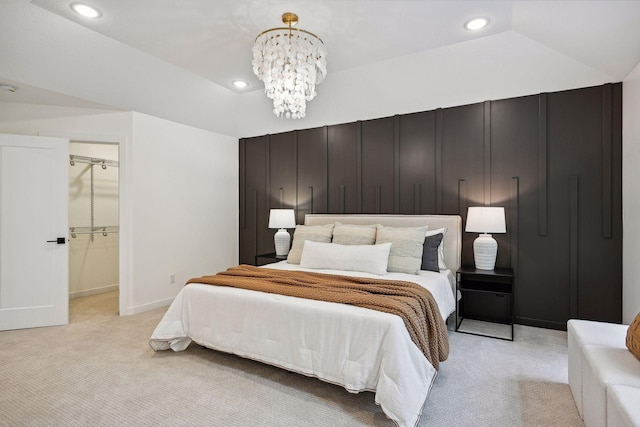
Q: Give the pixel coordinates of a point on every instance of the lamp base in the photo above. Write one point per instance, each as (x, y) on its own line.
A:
(485, 249)
(282, 241)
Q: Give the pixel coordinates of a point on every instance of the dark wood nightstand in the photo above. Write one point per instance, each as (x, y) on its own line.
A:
(264, 259)
(487, 302)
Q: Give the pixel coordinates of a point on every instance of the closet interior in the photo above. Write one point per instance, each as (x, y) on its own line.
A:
(93, 218)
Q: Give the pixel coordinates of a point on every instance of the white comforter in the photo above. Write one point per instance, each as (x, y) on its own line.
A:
(357, 348)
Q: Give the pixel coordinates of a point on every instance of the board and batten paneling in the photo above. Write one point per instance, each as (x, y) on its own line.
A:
(312, 172)
(282, 171)
(553, 160)
(417, 160)
(462, 184)
(585, 169)
(378, 160)
(254, 210)
(514, 185)
(343, 168)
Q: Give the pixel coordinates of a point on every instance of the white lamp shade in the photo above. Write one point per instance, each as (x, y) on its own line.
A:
(486, 220)
(282, 218)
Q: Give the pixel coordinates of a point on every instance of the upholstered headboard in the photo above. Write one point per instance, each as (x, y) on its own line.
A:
(452, 238)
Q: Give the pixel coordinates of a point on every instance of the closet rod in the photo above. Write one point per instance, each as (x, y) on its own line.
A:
(73, 159)
(105, 230)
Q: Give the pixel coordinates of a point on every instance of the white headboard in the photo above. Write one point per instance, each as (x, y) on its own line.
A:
(452, 238)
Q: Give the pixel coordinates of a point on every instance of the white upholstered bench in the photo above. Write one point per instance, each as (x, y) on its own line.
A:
(585, 332)
(599, 362)
(623, 405)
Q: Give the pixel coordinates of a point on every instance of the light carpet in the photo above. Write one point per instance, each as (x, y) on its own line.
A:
(100, 371)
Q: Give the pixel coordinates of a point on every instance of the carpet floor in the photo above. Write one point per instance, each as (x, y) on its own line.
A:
(100, 371)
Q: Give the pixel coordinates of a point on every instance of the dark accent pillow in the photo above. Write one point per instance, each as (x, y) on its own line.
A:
(633, 337)
(430, 252)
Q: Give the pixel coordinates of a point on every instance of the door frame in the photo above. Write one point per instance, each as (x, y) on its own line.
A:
(125, 211)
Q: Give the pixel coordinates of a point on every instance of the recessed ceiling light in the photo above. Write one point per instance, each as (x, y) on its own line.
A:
(476, 24)
(86, 10)
(240, 84)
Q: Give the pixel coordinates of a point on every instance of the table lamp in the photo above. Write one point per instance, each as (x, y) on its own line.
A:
(485, 220)
(282, 219)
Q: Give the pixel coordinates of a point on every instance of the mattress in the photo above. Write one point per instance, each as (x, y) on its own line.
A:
(356, 348)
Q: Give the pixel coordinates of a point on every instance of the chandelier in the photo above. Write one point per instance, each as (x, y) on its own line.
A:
(290, 61)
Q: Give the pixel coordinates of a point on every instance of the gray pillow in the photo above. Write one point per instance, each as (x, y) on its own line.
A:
(430, 253)
(350, 234)
(406, 247)
(443, 231)
(316, 233)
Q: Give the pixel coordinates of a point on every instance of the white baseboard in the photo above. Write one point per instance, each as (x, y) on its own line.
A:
(94, 291)
(146, 307)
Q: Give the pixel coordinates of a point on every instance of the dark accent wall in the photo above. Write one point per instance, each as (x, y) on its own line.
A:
(553, 160)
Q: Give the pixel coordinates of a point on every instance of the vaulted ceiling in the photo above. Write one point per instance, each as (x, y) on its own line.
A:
(198, 47)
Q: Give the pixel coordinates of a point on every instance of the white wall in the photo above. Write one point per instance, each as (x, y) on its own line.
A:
(178, 188)
(501, 66)
(631, 195)
(93, 263)
(185, 212)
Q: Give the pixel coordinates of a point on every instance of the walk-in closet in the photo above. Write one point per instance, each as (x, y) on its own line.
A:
(93, 218)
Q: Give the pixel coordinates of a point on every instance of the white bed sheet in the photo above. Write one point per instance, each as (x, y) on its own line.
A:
(357, 348)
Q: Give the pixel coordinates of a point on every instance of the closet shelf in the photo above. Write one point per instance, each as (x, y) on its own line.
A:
(74, 158)
(105, 230)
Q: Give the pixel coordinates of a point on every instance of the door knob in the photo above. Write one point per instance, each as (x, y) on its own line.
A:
(59, 240)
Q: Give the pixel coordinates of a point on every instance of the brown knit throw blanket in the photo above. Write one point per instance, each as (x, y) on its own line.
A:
(413, 303)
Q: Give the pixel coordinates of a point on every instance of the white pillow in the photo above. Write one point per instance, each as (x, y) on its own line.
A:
(333, 256)
(441, 264)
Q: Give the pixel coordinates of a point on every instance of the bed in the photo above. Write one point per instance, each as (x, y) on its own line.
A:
(354, 347)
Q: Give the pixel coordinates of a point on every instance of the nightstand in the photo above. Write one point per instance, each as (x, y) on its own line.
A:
(487, 303)
(264, 259)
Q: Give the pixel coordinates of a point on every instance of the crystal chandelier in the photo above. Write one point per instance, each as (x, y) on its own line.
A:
(290, 62)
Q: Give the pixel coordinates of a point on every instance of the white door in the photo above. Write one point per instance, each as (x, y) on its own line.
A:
(34, 191)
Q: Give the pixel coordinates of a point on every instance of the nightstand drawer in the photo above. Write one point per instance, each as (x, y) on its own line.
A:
(486, 306)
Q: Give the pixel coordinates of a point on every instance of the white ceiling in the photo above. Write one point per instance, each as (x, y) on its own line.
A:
(34, 95)
(212, 39)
